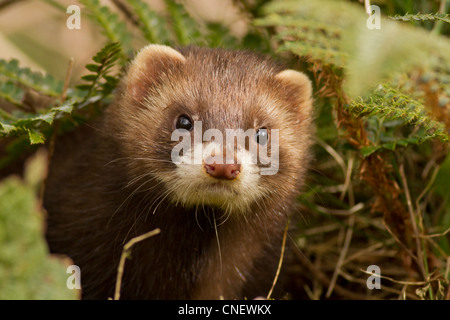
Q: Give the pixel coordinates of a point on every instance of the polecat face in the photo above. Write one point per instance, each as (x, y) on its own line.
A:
(211, 127)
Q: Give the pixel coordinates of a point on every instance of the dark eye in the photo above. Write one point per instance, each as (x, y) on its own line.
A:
(262, 136)
(184, 122)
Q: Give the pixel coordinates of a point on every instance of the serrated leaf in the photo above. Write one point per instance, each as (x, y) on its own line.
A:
(67, 107)
(47, 116)
(92, 67)
(422, 17)
(110, 79)
(89, 77)
(84, 87)
(11, 92)
(390, 103)
(7, 128)
(36, 137)
(101, 82)
(339, 36)
(46, 85)
(34, 125)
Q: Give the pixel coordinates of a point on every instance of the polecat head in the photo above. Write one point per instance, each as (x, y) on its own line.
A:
(211, 127)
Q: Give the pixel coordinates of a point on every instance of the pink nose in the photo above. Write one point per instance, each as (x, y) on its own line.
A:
(223, 171)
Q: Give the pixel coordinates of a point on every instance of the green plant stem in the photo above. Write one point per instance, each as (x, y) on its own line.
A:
(439, 23)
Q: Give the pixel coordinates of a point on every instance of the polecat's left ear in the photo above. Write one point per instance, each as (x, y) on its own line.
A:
(298, 88)
(147, 68)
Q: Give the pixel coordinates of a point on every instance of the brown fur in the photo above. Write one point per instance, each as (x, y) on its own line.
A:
(97, 197)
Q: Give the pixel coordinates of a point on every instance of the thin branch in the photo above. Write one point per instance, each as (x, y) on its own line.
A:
(348, 182)
(67, 80)
(333, 153)
(56, 126)
(125, 253)
(350, 278)
(340, 262)
(321, 277)
(393, 235)
(338, 212)
(367, 250)
(280, 262)
(367, 6)
(435, 234)
(409, 283)
(412, 217)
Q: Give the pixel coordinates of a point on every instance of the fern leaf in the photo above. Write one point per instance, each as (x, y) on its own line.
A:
(13, 73)
(422, 17)
(114, 29)
(34, 126)
(100, 82)
(183, 25)
(151, 24)
(35, 137)
(339, 36)
(416, 139)
(22, 122)
(12, 93)
(305, 31)
(388, 103)
(219, 35)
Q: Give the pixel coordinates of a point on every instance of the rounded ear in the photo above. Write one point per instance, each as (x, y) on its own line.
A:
(299, 88)
(148, 66)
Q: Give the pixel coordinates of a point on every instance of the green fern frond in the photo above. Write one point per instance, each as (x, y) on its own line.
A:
(100, 82)
(388, 103)
(318, 52)
(418, 138)
(36, 125)
(32, 125)
(340, 36)
(392, 104)
(10, 71)
(113, 28)
(219, 35)
(185, 28)
(152, 25)
(12, 93)
(303, 29)
(423, 17)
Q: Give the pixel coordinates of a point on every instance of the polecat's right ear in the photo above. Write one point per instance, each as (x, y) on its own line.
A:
(148, 66)
(298, 88)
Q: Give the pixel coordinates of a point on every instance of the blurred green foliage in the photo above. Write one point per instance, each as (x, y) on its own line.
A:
(26, 271)
(382, 101)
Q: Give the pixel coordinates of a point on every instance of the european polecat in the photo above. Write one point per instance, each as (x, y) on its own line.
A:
(139, 168)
